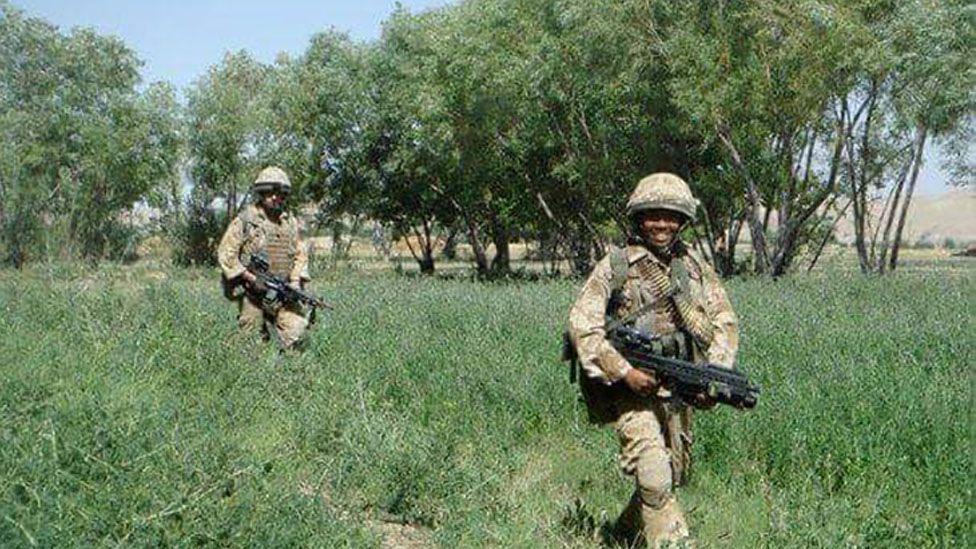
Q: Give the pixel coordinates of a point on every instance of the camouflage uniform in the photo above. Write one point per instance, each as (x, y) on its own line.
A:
(696, 323)
(253, 231)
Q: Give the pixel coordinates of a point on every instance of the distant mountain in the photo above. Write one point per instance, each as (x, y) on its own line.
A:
(932, 220)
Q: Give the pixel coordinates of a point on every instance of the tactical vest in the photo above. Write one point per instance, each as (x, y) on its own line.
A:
(659, 300)
(277, 240)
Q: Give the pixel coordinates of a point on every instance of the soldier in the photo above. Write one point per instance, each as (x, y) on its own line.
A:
(265, 226)
(661, 286)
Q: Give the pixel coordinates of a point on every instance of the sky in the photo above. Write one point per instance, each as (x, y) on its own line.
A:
(179, 39)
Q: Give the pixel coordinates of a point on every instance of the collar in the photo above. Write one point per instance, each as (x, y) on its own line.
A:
(637, 252)
(259, 212)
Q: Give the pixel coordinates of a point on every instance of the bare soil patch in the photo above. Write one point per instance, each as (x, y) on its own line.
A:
(401, 535)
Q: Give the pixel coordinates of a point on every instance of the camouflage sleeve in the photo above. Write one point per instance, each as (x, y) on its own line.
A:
(586, 322)
(725, 344)
(299, 271)
(229, 250)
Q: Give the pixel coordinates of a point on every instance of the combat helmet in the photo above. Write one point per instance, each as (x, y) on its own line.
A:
(271, 178)
(663, 191)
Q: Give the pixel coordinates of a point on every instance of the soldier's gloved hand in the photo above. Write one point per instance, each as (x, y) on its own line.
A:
(640, 382)
(252, 283)
(704, 402)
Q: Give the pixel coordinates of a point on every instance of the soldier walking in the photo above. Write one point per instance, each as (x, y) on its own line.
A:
(264, 227)
(661, 286)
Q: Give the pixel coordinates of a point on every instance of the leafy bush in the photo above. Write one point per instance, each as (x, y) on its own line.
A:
(196, 233)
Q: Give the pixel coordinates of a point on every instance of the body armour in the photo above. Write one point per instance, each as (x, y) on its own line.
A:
(252, 232)
(278, 240)
(621, 286)
(657, 298)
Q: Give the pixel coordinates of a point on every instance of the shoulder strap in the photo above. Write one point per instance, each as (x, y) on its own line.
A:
(247, 219)
(618, 268)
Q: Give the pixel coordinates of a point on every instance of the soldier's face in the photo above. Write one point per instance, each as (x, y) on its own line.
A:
(659, 227)
(273, 200)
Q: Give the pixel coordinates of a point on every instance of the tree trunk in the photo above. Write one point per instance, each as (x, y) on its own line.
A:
(337, 250)
(424, 254)
(861, 182)
(427, 246)
(501, 263)
(921, 133)
(732, 242)
(826, 238)
(450, 245)
(879, 250)
(789, 229)
(753, 206)
(477, 250)
(581, 254)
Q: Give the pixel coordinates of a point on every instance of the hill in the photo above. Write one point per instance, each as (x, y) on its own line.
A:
(932, 220)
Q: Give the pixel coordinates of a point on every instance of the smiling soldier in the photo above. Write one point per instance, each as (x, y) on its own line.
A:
(664, 289)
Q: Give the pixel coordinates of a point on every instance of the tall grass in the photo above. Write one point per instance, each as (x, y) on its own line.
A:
(132, 412)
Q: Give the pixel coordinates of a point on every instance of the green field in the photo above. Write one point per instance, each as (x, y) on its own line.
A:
(133, 413)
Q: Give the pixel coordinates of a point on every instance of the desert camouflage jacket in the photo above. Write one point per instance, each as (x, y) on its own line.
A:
(587, 318)
(251, 232)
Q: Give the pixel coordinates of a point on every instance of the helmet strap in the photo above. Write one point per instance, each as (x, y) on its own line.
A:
(664, 253)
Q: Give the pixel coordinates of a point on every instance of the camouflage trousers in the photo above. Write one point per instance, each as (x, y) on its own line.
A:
(288, 325)
(655, 446)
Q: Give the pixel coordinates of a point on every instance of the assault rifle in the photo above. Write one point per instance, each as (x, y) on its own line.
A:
(685, 379)
(275, 291)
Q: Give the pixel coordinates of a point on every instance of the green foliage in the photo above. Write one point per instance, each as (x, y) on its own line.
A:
(227, 120)
(196, 233)
(502, 120)
(81, 144)
(319, 108)
(132, 412)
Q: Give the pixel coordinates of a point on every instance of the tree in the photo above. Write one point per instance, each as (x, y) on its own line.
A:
(320, 109)
(227, 117)
(81, 143)
(756, 79)
(409, 140)
(915, 82)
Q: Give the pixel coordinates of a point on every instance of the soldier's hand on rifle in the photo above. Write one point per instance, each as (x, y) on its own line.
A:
(640, 382)
(704, 402)
(251, 281)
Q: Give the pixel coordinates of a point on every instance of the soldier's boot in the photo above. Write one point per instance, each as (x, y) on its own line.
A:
(628, 528)
(664, 526)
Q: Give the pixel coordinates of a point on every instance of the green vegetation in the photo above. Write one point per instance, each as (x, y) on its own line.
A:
(499, 121)
(81, 143)
(132, 412)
